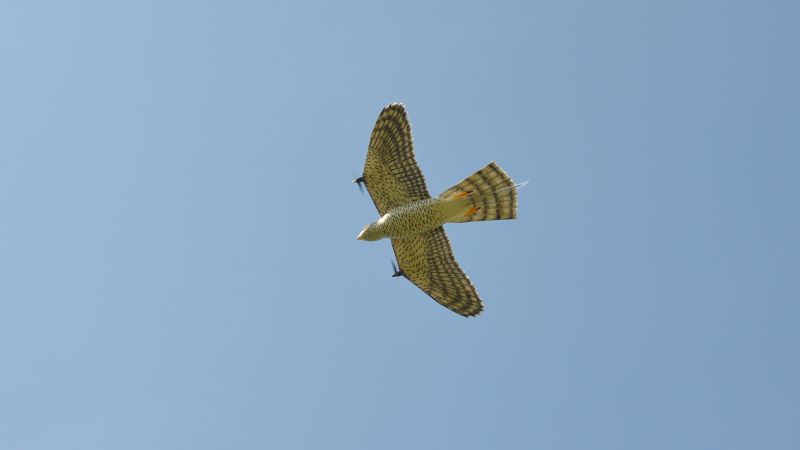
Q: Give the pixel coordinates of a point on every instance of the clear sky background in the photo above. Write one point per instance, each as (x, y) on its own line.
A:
(178, 263)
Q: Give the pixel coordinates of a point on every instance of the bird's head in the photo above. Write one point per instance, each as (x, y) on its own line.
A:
(370, 233)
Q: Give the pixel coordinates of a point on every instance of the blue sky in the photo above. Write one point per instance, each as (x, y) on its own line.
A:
(177, 240)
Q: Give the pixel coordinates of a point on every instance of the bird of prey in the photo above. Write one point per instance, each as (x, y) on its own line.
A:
(413, 220)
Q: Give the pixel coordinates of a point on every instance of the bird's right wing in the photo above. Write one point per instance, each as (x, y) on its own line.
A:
(391, 172)
(427, 261)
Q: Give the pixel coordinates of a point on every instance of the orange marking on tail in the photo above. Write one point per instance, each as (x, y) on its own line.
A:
(461, 194)
(472, 211)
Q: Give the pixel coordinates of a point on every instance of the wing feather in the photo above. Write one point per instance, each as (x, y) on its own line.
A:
(427, 261)
(391, 173)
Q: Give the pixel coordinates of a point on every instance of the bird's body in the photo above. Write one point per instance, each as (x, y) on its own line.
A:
(413, 220)
(407, 220)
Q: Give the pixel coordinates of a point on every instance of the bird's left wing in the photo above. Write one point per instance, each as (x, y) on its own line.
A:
(391, 172)
(427, 261)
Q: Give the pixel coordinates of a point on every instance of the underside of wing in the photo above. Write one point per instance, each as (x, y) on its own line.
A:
(427, 261)
(391, 173)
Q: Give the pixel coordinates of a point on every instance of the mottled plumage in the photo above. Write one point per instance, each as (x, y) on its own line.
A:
(413, 220)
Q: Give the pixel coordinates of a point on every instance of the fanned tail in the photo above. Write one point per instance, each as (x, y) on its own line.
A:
(488, 194)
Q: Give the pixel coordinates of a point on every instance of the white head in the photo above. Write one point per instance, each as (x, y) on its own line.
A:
(370, 232)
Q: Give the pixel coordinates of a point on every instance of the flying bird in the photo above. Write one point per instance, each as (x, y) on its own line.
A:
(414, 221)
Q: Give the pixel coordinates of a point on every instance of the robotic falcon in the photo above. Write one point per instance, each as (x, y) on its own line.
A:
(413, 220)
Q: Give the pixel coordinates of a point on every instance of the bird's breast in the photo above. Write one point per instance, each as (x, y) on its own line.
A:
(412, 218)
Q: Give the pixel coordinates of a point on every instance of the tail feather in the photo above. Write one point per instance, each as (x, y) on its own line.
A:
(488, 194)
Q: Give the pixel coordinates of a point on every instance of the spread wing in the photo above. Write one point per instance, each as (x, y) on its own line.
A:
(427, 261)
(391, 172)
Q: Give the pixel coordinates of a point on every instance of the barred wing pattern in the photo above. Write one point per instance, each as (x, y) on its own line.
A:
(427, 261)
(391, 172)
